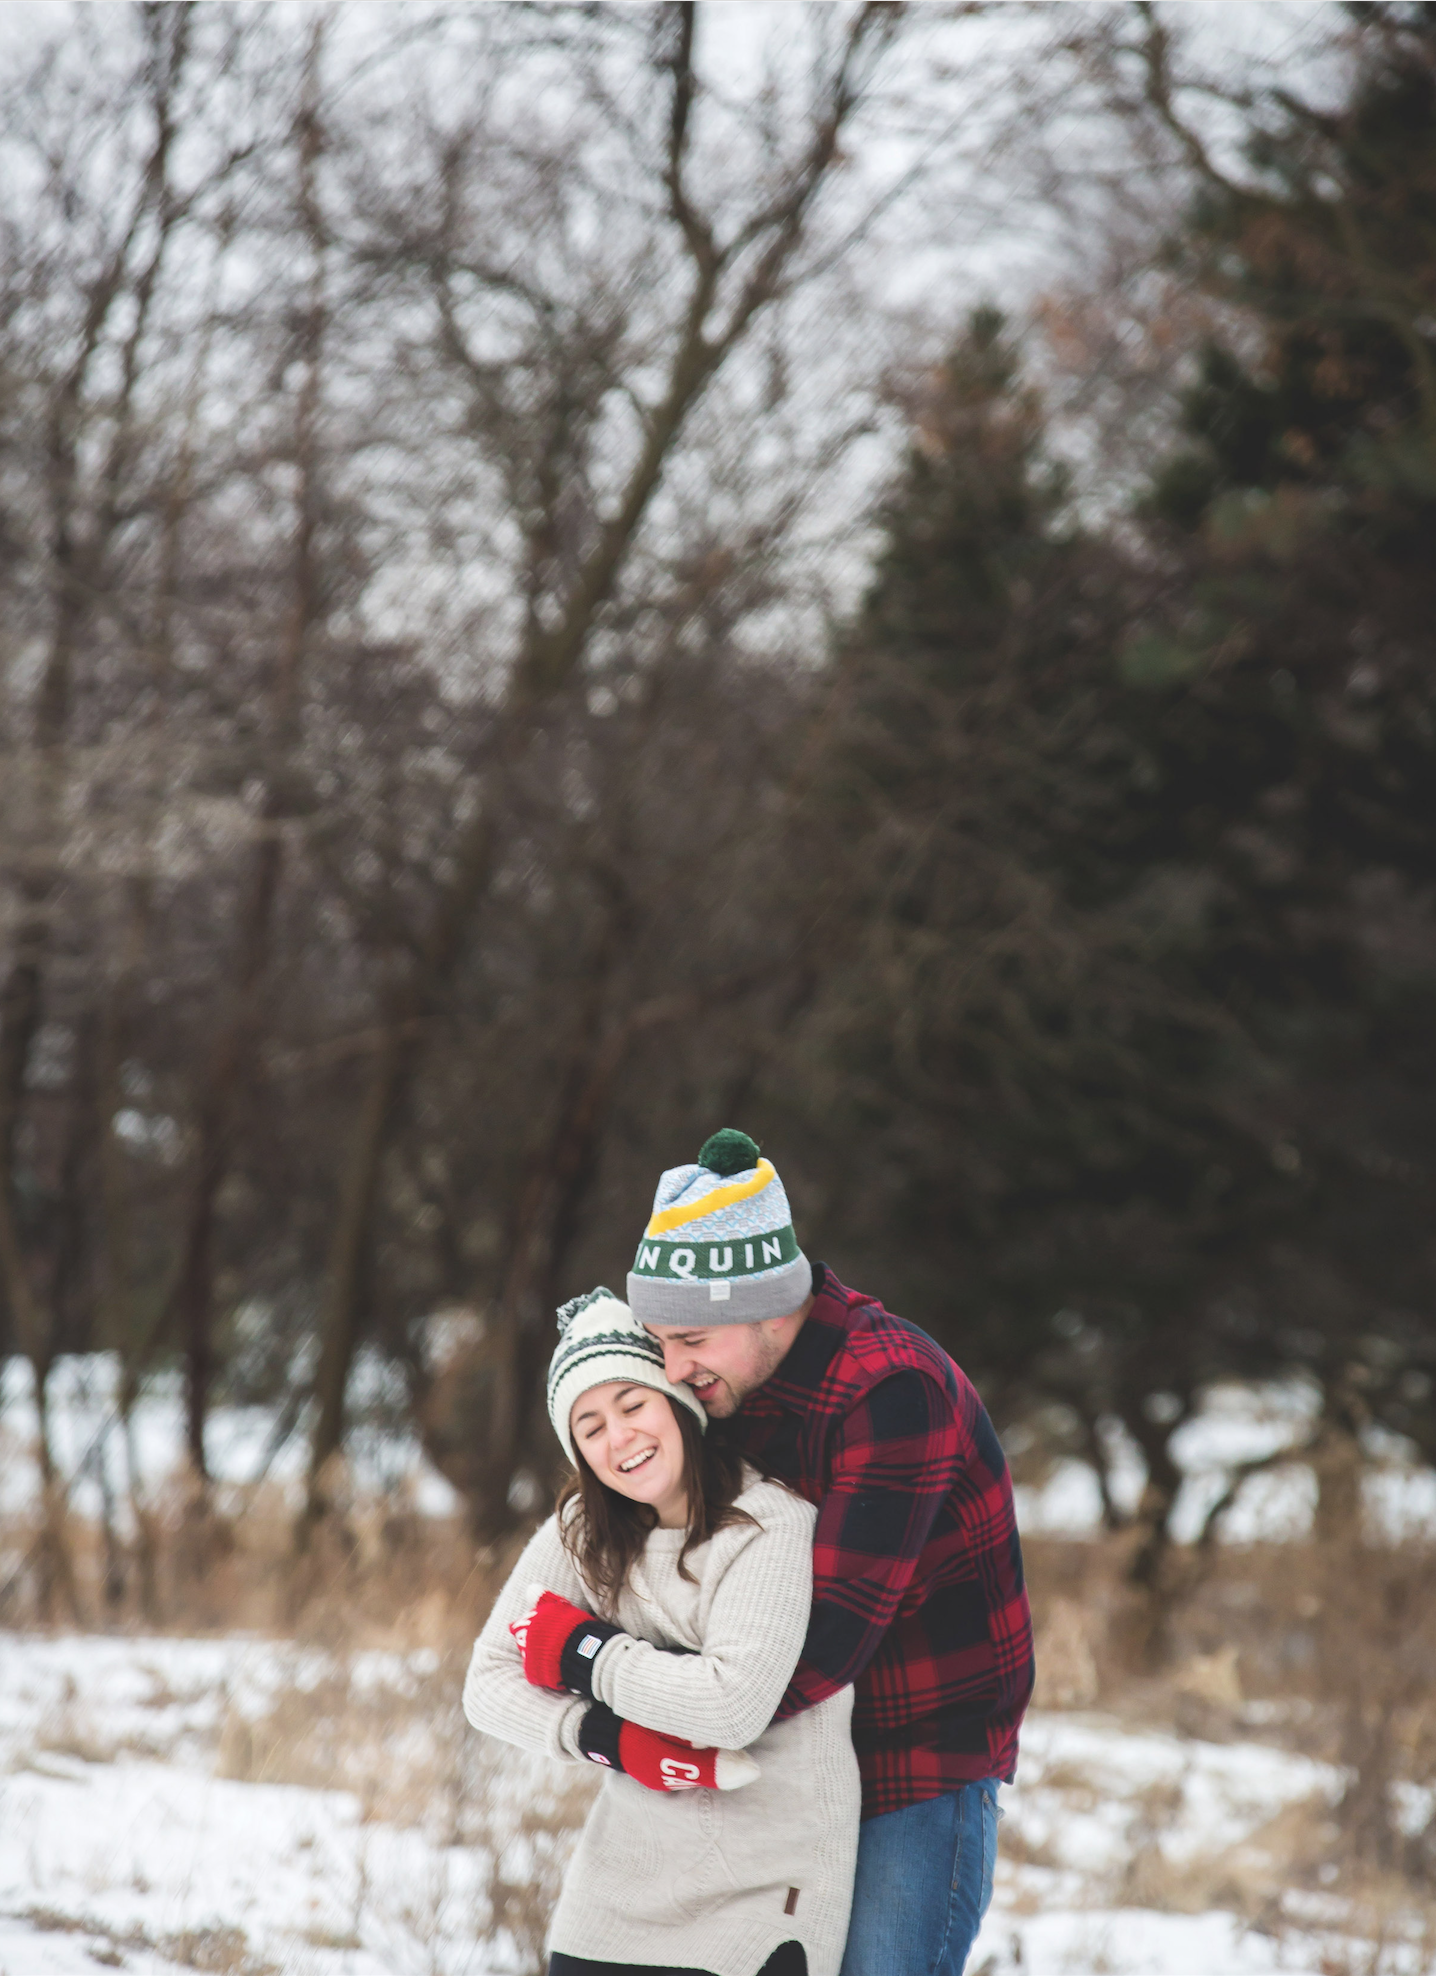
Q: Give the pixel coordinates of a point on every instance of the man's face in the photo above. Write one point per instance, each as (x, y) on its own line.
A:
(725, 1363)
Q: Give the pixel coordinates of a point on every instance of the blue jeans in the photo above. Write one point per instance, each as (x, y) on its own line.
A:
(923, 1884)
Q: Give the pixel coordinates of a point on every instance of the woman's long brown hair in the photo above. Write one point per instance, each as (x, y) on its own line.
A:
(604, 1532)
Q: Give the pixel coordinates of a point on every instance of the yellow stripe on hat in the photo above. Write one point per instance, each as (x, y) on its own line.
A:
(721, 1197)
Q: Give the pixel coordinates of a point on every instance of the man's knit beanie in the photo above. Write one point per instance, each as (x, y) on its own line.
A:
(600, 1339)
(720, 1248)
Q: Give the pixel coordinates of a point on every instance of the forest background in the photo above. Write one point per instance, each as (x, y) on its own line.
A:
(572, 576)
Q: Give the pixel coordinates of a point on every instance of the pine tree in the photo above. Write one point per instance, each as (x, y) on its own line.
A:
(1134, 1012)
(1291, 714)
(1035, 1089)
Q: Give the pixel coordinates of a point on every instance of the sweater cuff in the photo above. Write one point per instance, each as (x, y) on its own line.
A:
(598, 1737)
(570, 1729)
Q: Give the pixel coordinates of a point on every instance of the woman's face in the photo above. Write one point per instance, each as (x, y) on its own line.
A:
(630, 1438)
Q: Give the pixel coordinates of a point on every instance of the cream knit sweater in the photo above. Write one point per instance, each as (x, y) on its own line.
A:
(695, 1879)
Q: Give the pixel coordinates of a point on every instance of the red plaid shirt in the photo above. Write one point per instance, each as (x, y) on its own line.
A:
(918, 1595)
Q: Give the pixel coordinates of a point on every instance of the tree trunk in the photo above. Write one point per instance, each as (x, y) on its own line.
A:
(1152, 1571)
(146, 1548)
(56, 1569)
(191, 1302)
(193, 1296)
(1337, 1463)
(546, 1223)
(347, 1253)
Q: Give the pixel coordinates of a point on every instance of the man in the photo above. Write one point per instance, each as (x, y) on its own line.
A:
(918, 1594)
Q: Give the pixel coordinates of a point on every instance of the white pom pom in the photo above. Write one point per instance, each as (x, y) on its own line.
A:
(732, 1769)
(569, 1311)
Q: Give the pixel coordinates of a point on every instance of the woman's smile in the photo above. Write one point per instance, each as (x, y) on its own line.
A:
(630, 1438)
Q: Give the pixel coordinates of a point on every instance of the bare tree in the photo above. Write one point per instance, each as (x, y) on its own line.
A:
(77, 327)
(190, 1306)
(578, 491)
(433, 491)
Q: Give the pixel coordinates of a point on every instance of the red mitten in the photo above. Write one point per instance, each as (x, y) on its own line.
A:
(559, 1642)
(661, 1763)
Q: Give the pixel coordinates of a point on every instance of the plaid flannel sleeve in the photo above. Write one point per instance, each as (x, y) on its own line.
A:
(895, 1461)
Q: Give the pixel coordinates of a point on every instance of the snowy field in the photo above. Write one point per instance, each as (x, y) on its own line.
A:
(124, 1844)
(137, 1830)
(242, 1807)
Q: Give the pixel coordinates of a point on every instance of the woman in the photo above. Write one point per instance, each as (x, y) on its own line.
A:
(652, 1626)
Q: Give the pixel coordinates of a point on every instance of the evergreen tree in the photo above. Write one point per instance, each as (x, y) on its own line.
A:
(1291, 714)
(1048, 1151)
(1136, 1012)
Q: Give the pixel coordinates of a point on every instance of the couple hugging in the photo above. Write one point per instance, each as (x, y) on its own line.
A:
(780, 1601)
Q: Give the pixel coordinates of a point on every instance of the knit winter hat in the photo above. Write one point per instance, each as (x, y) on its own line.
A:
(600, 1339)
(720, 1248)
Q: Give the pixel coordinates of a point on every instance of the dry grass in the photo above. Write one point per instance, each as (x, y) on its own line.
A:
(1323, 1649)
(376, 1573)
(1249, 1880)
(398, 1742)
(526, 1873)
(218, 1951)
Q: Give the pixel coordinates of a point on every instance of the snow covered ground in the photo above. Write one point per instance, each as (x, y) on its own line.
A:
(138, 1829)
(245, 1807)
(124, 1844)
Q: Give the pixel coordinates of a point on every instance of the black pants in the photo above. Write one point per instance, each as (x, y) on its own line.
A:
(787, 1960)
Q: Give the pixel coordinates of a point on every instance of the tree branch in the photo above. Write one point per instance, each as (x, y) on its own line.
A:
(1155, 52)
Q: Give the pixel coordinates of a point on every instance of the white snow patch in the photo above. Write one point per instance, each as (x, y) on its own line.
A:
(117, 1837)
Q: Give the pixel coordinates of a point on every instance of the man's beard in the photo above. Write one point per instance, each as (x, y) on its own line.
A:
(727, 1396)
(722, 1406)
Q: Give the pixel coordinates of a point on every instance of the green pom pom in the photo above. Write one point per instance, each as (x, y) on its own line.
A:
(729, 1151)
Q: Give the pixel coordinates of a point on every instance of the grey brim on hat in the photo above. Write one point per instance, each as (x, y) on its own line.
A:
(741, 1299)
